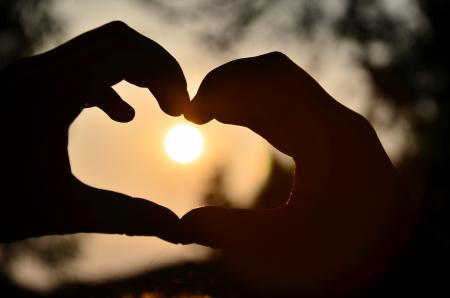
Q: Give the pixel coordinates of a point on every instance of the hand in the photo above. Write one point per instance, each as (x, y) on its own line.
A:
(44, 94)
(346, 209)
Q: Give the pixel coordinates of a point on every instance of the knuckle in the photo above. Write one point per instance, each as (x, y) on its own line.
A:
(118, 26)
(276, 61)
(276, 56)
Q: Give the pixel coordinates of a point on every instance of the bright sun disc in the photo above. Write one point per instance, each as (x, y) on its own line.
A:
(183, 143)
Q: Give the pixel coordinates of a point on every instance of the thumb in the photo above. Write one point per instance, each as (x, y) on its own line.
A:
(233, 228)
(101, 211)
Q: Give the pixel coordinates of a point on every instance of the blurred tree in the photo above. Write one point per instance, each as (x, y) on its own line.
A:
(277, 188)
(23, 26)
(416, 80)
(273, 193)
(53, 252)
(216, 192)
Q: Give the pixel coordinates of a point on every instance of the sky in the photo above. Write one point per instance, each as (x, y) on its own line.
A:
(129, 157)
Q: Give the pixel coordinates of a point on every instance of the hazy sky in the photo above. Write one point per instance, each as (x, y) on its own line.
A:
(129, 158)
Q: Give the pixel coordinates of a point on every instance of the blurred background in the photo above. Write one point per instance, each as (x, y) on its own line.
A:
(387, 60)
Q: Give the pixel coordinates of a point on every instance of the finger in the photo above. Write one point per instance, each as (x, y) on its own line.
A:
(145, 63)
(113, 52)
(234, 110)
(216, 97)
(210, 226)
(171, 94)
(150, 65)
(100, 211)
(239, 89)
(246, 92)
(110, 102)
(232, 228)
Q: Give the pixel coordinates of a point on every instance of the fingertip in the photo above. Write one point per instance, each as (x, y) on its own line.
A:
(196, 118)
(205, 226)
(191, 227)
(196, 111)
(121, 112)
(172, 100)
(115, 213)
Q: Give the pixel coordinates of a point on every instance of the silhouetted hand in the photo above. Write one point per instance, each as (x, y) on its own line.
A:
(42, 95)
(347, 214)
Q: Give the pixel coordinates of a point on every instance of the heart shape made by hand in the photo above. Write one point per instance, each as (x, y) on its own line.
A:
(345, 206)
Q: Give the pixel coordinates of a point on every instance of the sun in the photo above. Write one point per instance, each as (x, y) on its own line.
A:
(183, 143)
